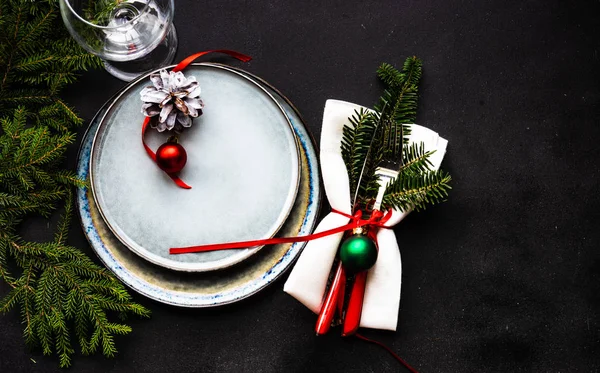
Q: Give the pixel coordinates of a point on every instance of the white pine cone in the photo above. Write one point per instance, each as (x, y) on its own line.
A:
(174, 98)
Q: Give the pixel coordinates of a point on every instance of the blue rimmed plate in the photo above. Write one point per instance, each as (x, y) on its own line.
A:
(208, 288)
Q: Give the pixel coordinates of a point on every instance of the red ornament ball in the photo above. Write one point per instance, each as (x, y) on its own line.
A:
(171, 157)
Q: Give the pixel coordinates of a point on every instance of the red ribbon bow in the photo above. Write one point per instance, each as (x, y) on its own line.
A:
(180, 66)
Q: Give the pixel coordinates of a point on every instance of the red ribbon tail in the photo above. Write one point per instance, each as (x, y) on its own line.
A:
(402, 361)
(180, 183)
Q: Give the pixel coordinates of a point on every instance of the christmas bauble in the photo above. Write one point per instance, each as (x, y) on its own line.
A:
(358, 253)
(171, 157)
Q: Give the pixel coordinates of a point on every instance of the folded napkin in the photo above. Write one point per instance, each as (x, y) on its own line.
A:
(308, 280)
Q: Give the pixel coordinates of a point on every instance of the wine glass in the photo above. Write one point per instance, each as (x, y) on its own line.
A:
(132, 37)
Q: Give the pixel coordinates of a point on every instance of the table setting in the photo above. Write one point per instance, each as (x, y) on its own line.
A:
(313, 187)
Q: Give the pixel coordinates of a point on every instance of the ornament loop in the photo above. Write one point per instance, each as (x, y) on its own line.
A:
(359, 230)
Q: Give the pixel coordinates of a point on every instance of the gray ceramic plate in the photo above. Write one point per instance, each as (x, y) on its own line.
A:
(209, 288)
(243, 166)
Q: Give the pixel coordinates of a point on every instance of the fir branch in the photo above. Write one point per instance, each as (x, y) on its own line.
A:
(68, 112)
(70, 287)
(11, 299)
(400, 96)
(67, 177)
(99, 11)
(63, 226)
(9, 200)
(39, 147)
(387, 130)
(16, 20)
(415, 159)
(68, 54)
(27, 305)
(35, 62)
(26, 96)
(416, 190)
(63, 297)
(37, 28)
(41, 177)
(369, 185)
(390, 76)
(356, 139)
(361, 140)
(4, 255)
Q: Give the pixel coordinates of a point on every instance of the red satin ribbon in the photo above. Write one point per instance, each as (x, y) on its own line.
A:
(376, 220)
(180, 66)
(188, 60)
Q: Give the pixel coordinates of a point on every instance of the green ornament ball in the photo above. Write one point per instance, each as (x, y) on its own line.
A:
(358, 253)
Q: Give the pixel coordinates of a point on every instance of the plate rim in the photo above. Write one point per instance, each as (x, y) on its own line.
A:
(310, 221)
(221, 263)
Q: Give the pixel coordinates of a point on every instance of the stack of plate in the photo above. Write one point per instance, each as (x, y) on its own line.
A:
(254, 174)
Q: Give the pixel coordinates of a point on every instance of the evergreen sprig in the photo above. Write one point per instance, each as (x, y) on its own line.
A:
(416, 190)
(99, 11)
(357, 139)
(415, 159)
(61, 294)
(375, 136)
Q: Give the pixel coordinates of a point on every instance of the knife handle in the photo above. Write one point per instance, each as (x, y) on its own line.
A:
(331, 302)
(354, 309)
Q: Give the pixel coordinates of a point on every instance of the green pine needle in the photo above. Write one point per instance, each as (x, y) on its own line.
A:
(63, 297)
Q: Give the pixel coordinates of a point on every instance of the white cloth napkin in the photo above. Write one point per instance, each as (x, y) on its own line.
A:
(308, 280)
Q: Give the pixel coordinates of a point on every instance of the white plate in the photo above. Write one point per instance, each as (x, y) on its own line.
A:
(242, 165)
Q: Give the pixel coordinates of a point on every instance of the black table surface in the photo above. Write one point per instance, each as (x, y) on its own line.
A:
(503, 277)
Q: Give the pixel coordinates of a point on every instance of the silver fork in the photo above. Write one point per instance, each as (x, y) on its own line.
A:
(386, 174)
(391, 163)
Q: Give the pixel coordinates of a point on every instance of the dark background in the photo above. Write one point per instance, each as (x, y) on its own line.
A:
(504, 277)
